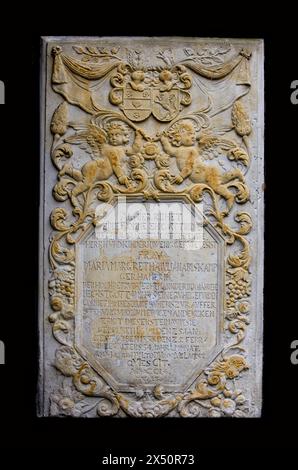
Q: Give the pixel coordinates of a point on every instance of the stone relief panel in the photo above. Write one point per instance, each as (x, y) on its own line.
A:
(146, 327)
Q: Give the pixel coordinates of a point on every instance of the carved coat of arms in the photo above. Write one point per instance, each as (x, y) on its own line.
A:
(161, 93)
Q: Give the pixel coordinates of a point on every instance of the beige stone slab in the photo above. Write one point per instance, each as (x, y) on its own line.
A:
(151, 232)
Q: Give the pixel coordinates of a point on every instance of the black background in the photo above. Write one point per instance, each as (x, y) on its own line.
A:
(216, 440)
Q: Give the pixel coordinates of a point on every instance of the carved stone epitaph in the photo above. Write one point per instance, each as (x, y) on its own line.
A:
(146, 327)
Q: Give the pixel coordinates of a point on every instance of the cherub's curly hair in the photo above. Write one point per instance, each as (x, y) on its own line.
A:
(175, 131)
(117, 125)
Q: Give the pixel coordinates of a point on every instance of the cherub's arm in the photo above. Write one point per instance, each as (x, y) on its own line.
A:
(188, 167)
(115, 159)
(168, 148)
(137, 145)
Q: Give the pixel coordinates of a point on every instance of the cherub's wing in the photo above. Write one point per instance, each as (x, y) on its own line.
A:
(214, 137)
(89, 138)
(207, 140)
(207, 144)
(213, 145)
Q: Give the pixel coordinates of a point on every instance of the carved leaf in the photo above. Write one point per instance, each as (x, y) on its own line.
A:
(239, 154)
(61, 254)
(60, 119)
(60, 190)
(58, 215)
(89, 138)
(92, 50)
(244, 219)
(240, 119)
(68, 361)
(79, 49)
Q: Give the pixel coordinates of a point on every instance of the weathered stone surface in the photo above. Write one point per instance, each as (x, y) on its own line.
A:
(149, 311)
(145, 323)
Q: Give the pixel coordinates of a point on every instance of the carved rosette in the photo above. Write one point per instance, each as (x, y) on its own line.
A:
(110, 137)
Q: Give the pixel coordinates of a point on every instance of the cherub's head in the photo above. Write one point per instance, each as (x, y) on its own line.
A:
(182, 133)
(138, 76)
(165, 75)
(118, 133)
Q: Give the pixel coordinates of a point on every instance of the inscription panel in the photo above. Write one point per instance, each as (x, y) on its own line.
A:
(149, 310)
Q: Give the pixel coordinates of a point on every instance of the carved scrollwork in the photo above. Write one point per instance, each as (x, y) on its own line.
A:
(215, 392)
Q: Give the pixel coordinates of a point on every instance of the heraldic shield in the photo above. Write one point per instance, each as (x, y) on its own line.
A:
(137, 104)
(165, 104)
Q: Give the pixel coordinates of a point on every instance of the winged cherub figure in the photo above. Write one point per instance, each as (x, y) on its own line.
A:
(108, 152)
(181, 144)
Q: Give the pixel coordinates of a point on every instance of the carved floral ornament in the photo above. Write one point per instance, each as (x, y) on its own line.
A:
(124, 158)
